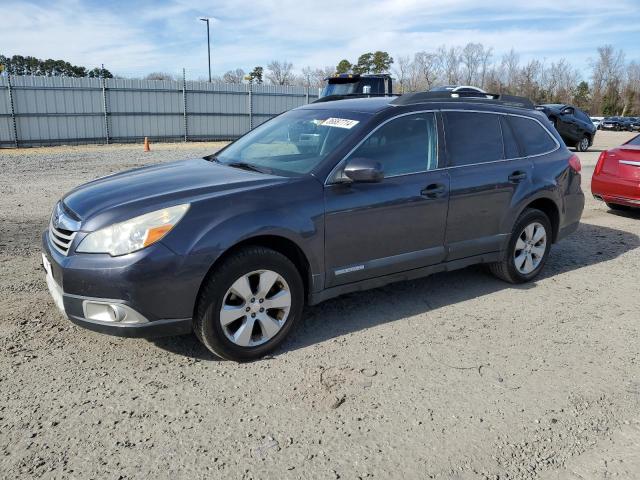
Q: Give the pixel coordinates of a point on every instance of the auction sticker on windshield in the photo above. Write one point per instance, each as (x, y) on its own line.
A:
(340, 123)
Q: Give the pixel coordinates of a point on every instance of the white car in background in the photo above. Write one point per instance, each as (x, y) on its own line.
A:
(597, 121)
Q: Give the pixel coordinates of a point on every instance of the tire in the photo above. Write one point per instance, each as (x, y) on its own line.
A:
(506, 269)
(583, 144)
(251, 264)
(619, 208)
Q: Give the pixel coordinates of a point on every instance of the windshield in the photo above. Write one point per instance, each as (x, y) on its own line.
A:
(340, 89)
(293, 143)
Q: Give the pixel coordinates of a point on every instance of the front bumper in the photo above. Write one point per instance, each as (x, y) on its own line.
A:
(136, 295)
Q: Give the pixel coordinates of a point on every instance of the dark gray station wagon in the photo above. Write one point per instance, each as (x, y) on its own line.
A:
(322, 200)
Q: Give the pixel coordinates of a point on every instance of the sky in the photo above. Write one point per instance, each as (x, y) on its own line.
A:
(133, 38)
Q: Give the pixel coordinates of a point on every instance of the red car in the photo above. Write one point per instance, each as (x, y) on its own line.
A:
(616, 178)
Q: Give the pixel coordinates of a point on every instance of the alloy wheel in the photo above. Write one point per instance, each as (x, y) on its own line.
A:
(584, 144)
(255, 308)
(530, 248)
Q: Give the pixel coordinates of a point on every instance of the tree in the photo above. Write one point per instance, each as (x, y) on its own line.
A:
(402, 72)
(159, 76)
(19, 65)
(280, 73)
(314, 77)
(99, 73)
(581, 98)
(365, 64)
(344, 66)
(234, 76)
(256, 75)
(429, 68)
(381, 62)
(471, 59)
(607, 74)
(450, 59)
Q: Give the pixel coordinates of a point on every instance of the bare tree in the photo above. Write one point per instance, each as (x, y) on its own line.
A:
(471, 60)
(234, 76)
(280, 73)
(530, 80)
(401, 70)
(429, 68)
(562, 80)
(160, 76)
(313, 77)
(450, 60)
(606, 78)
(631, 91)
(510, 67)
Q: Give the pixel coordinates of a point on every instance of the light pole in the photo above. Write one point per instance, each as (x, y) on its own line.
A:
(208, 45)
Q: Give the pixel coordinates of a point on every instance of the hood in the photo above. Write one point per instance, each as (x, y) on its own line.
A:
(135, 192)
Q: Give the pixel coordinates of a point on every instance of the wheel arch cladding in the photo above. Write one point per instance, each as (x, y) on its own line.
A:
(280, 244)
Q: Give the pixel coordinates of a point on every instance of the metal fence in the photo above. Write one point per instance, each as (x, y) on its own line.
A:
(60, 110)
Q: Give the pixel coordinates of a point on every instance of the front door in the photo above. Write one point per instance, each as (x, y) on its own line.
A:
(376, 229)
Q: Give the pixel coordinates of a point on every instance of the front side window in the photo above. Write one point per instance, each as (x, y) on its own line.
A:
(404, 145)
(473, 138)
(293, 143)
(534, 139)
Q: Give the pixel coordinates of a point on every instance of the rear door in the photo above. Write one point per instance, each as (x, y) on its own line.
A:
(488, 174)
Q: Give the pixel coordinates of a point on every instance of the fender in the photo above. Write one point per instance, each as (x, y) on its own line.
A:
(215, 225)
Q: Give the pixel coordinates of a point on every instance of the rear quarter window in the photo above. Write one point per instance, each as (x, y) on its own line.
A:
(533, 137)
(634, 141)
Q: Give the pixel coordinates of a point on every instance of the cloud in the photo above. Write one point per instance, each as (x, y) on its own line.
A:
(134, 38)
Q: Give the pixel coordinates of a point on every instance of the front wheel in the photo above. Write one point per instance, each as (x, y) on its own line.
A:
(249, 304)
(528, 248)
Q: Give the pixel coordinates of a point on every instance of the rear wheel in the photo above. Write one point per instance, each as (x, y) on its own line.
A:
(583, 144)
(528, 248)
(249, 304)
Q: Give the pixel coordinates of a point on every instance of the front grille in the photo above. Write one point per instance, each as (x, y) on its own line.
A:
(60, 239)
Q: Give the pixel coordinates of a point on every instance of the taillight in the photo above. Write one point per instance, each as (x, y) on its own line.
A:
(600, 163)
(574, 163)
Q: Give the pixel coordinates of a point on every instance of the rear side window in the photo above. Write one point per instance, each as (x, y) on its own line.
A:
(473, 138)
(534, 139)
(407, 144)
(582, 116)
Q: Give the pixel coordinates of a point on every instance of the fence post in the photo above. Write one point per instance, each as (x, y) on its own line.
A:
(184, 102)
(13, 113)
(250, 106)
(105, 110)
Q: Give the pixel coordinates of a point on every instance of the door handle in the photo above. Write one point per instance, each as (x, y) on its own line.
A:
(517, 176)
(435, 190)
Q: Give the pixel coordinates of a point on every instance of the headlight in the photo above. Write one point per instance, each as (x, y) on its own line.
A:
(134, 234)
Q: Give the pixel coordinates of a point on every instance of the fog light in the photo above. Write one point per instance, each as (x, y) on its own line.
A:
(111, 312)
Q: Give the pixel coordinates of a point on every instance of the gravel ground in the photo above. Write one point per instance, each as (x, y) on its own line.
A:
(456, 376)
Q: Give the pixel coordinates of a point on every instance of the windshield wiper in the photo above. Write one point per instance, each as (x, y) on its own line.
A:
(247, 166)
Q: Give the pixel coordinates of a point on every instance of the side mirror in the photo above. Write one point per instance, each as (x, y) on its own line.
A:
(364, 170)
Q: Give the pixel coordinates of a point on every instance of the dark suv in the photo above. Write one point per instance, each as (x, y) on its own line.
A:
(574, 126)
(616, 124)
(322, 200)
